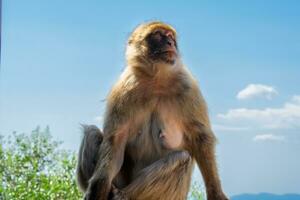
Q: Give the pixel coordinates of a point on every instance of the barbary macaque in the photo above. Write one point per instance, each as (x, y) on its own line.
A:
(156, 126)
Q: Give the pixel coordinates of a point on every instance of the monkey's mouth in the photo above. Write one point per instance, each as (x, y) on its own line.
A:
(167, 55)
(165, 51)
(169, 49)
(170, 53)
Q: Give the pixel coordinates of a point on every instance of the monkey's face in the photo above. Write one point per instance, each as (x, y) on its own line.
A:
(161, 46)
(153, 42)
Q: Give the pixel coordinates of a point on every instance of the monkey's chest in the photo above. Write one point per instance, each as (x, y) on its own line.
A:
(160, 134)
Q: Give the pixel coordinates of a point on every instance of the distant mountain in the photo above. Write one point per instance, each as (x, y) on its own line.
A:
(266, 196)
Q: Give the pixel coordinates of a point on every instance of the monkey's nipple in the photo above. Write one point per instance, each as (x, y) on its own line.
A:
(161, 134)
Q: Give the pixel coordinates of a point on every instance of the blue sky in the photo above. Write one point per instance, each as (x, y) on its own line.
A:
(59, 59)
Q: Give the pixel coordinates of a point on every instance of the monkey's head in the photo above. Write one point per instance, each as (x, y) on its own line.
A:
(153, 42)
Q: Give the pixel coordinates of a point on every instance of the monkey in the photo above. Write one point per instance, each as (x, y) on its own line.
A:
(156, 127)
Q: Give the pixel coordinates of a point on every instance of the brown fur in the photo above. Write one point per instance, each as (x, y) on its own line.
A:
(154, 98)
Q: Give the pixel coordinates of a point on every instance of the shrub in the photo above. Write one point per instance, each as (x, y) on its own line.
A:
(34, 167)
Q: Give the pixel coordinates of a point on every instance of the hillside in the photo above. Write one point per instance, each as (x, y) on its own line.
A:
(266, 196)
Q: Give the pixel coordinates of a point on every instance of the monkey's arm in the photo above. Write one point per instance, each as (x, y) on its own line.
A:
(121, 119)
(203, 150)
(111, 151)
(201, 143)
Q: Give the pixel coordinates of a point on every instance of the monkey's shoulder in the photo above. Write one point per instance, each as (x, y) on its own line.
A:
(131, 93)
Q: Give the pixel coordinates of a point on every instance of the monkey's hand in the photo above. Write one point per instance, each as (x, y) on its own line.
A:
(99, 186)
(98, 189)
(117, 194)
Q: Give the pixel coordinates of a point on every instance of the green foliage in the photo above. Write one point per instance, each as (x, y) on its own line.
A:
(34, 167)
(196, 192)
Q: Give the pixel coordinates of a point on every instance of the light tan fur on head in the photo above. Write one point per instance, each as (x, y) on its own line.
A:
(141, 31)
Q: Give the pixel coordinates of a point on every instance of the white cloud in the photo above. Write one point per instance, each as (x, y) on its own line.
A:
(268, 137)
(257, 90)
(287, 116)
(220, 127)
(296, 99)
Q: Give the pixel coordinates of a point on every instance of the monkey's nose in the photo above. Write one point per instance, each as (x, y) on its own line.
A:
(170, 42)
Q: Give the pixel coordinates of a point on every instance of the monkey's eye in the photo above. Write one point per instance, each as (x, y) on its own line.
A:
(157, 35)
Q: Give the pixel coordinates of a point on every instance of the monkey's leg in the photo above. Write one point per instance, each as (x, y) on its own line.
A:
(88, 158)
(203, 149)
(88, 155)
(167, 178)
